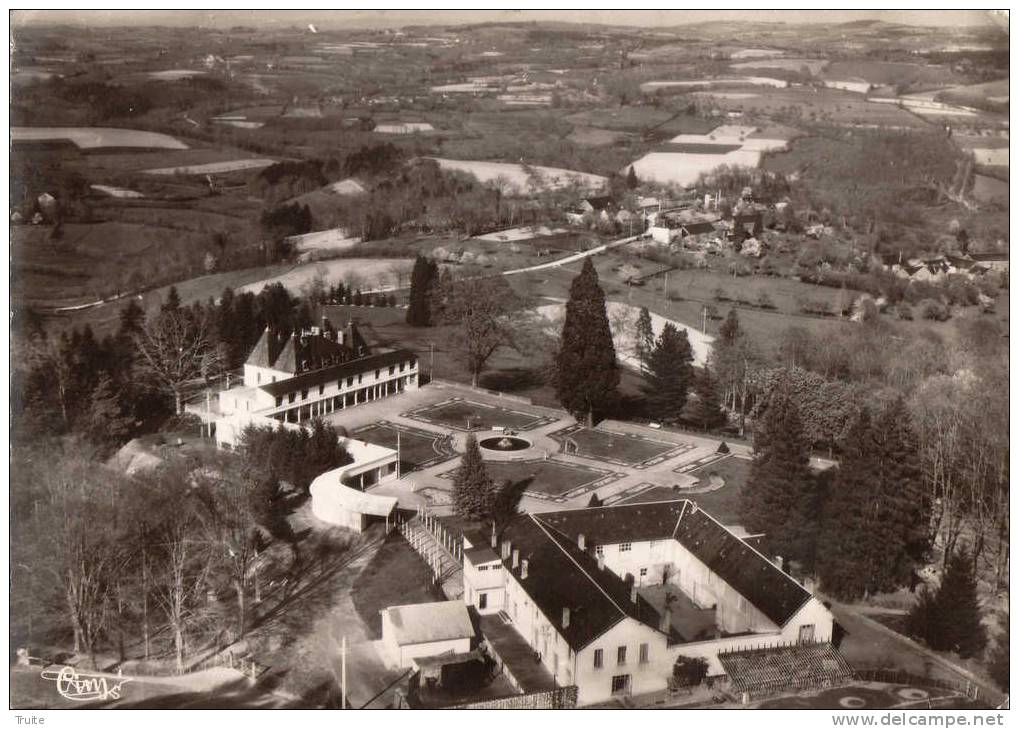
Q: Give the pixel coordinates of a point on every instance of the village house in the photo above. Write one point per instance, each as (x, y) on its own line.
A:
(608, 598)
(601, 208)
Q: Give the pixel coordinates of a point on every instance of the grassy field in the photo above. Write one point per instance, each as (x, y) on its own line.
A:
(722, 503)
(395, 576)
(840, 107)
(97, 138)
(886, 73)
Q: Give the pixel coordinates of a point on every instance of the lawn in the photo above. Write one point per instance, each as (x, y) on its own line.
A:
(417, 447)
(468, 415)
(612, 447)
(396, 576)
(543, 478)
(723, 503)
(885, 697)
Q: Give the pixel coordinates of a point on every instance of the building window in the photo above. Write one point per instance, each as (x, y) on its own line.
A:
(599, 550)
(599, 656)
(621, 655)
(496, 566)
(360, 378)
(377, 373)
(291, 397)
(483, 568)
(258, 378)
(304, 394)
(321, 389)
(279, 401)
(621, 684)
(350, 382)
(413, 363)
(624, 547)
(392, 369)
(643, 652)
(643, 571)
(482, 600)
(403, 366)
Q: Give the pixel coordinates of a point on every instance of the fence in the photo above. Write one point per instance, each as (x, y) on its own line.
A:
(969, 689)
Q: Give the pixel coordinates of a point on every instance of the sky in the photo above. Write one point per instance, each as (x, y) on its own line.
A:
(334, 20)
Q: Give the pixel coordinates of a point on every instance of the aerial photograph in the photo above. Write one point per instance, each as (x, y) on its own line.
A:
(510, 359)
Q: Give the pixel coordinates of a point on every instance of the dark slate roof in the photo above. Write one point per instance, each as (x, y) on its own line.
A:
(600, 202)
(561, 576)
(261, 356)
(616, 524)
(750, 573)
(696, 228)
(337, 371)
(989, 256)
(480, 555)
(300, 352)
(746, 570)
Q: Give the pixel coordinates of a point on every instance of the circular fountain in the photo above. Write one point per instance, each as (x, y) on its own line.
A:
(504, 443)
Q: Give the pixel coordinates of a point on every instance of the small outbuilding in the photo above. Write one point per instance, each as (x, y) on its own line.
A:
(426, 629)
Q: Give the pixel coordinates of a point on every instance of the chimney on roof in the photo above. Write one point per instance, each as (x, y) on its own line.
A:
(665, 624)
(566, 618)
(495, 537)
(633, 593)
(601, 561)
(582, 542)
(516, 558)
(523, 569)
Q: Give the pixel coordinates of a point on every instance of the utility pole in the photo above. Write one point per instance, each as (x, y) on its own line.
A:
(704, 320)
(665, 290)
(343, 673)
(397, 453)
(431, 361)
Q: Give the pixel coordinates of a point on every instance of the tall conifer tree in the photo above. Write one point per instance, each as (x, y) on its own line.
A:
(949, 619)
(422, 278)
(779, 498)
(669, 374)
(706, 411)
(645, 337)
(586, 371)
(473, 490)
(847, 553)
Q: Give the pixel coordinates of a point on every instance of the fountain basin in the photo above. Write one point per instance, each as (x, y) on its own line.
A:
(504, 443)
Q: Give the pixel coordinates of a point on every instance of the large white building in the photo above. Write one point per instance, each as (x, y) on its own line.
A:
(608, 598)
(294, 378)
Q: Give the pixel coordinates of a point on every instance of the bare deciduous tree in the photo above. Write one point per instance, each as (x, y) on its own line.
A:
(178, 352)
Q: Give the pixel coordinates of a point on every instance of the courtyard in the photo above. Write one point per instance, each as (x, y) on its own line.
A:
(469, 415)
(418, 448)
(564, 463)
(626, 449)
(546, 479)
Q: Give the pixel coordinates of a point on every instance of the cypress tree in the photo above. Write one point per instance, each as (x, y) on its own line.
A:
(645, 337)
(999, 657)
(473, 491)
(172, 302)
(586, 372)
(706, 410)
(949, 619)
(422, 278)
(779, 497)
(847, 553)
(668, 374)
(902, 521)
(729, 332)
(631, 179)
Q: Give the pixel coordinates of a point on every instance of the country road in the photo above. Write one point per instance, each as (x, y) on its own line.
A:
(575, 257)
